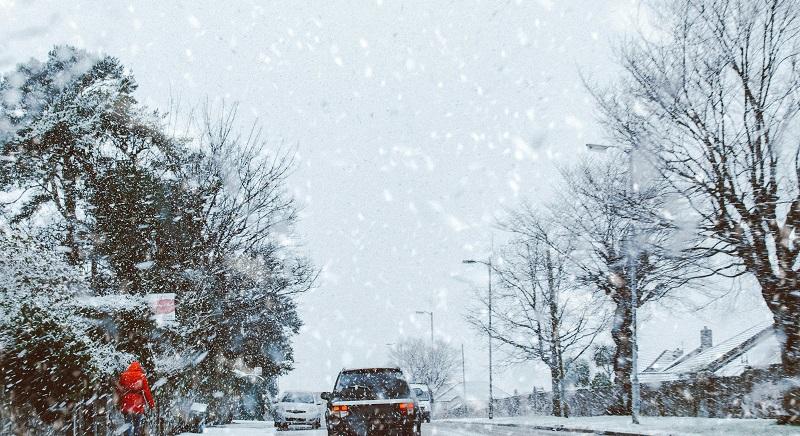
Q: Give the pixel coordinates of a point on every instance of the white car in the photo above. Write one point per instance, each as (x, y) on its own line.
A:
(298, 408)
(425, 399)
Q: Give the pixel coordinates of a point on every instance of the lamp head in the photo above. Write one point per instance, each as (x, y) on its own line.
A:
(598, 147)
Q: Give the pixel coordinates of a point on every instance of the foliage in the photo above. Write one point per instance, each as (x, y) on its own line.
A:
(603, 359)
(54, 353)
(122, 209)
(580, 374)
(600, 380)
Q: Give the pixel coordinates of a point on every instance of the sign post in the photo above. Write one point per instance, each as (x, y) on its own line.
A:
(163, 307)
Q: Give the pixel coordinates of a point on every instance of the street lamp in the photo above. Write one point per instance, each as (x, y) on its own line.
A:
(425, 312)
(463, 374)
(488, 264)
(599, 147)
(632, 266)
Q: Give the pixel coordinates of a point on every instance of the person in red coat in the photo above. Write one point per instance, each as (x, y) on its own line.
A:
(134, 392)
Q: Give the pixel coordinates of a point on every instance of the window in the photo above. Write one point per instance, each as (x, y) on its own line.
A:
(372, 385)
(421, 394)
(298, 397)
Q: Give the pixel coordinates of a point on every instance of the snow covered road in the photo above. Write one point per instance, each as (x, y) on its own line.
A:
(261, 428)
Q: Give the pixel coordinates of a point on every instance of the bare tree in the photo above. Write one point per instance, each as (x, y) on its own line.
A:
(242, 182)
(240, 304)
(715, 98)
(598, 208)
(540, 310)
(422, 362)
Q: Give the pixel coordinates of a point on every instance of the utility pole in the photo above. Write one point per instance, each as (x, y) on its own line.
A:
(432, 340)
(463, 374)
(633, 255)
(491, 385)
(488, 264)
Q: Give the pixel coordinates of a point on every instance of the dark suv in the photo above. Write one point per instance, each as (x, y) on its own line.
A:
(371, 401)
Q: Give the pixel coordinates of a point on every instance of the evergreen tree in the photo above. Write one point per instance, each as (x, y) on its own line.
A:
(55, 353)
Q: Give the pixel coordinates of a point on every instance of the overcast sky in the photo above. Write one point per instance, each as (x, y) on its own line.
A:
(416, 124)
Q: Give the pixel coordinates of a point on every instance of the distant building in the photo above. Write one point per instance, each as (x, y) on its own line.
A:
(754, 347)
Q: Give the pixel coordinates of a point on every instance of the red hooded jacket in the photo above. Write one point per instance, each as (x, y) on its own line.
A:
(134, 391)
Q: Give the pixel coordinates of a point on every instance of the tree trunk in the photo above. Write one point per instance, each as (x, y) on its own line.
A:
(564, 404)
(70, 209)
(786, 316)
(555, 379)
(621, 334)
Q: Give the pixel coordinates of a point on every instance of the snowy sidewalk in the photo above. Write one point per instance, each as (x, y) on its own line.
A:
(656, 425)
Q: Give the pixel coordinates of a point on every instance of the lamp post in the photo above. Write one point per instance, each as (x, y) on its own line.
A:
(463, 374)
(632, 280)
(425, 312)
(488, 264)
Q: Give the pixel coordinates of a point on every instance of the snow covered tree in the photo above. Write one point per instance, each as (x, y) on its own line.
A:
(139, 211)
(540, 311)
(713, 96)
(423, 362)
(580, 374)
(598, 208)
(54, 119)
(144, 229)
(239, 305)
(54, 349)
(603, 359)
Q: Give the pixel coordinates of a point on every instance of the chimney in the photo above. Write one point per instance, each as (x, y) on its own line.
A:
(705, 338)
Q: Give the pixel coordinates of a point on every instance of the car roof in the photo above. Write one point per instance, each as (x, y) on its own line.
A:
(356, 370)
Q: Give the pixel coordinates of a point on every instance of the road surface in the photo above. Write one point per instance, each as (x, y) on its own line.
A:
(260, 428)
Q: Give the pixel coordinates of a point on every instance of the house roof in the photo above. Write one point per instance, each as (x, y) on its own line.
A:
(664, 360)
(712, 358)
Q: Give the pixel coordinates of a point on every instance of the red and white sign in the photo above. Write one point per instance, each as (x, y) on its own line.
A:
(163, 307)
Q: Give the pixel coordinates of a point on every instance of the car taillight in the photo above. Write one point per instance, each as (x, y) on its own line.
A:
(340, 411)
(406, 408)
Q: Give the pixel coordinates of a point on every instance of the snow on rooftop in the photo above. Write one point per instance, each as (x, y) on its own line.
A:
(664, 360)
(706, 359)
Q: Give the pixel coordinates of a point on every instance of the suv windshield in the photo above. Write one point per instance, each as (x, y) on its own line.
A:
(372, 385)
(421, 394)
(297, 397)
